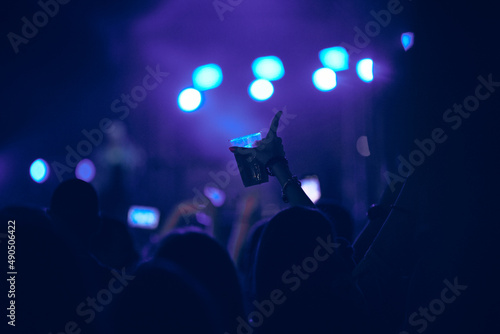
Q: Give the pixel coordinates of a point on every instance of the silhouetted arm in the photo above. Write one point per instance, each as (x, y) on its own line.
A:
(291, 189)
(270, 153)
(377, 215)
(398, 233)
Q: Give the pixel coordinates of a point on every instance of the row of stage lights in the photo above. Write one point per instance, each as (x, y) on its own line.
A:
(265, 69)
(40, 170)
(270, 68)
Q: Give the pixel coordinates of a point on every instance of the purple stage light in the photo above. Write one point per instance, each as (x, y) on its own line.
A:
(215, 195)
(203, 218)
(85, 170)
(362, 146)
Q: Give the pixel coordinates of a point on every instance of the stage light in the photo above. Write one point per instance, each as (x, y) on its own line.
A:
(365, 69)
(362, 146)
(310, 185)
(269, 68)
(39, 171)
(335, 58)
(85, 170)
(143, 217)
(261, 90)
(189, 100)
(215, 195)
(324, 79)
(203, 218)
(407, 40)
(207, 77)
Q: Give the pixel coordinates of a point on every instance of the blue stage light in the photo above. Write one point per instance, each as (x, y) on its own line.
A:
(407, 40)
(365, 69)
(261, 89)
(269, 68)
(143, 217)
(189, 100)
(39, 171)
(335, 58)
(207, 77)
(215, 195)
(203, 218)
(324, 79)
(85, 170)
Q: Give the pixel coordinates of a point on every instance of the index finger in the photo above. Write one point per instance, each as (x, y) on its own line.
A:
(274, 125)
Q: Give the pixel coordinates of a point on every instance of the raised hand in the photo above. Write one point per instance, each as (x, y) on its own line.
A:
(270, 153)
(269, 147)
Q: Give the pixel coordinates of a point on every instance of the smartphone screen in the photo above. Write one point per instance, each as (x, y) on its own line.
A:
(310, 185)
(143, 217)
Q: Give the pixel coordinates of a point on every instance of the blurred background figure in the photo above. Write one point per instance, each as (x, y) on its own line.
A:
(120, 168)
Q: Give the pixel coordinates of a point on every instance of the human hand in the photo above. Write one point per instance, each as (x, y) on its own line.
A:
(266, 149)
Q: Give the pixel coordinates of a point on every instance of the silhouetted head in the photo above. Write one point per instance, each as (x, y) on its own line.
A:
(246, 258)
(207, 261)
(113, 245)
(341, 218)
(289, 237)
(249, 248)
(74, 210)
(49, 284)
(299, 256)
(163, 298)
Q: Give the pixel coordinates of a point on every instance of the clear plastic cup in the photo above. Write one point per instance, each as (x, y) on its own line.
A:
(252, 171)
(247, 141)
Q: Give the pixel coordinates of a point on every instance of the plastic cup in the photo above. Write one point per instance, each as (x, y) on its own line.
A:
(252, 171)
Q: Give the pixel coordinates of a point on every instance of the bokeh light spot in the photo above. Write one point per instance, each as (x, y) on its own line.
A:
(324, 79)
(189, 100)
(261, 89)
(207, 77)
(39, 171)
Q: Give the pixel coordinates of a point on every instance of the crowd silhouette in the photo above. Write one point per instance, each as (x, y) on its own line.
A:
(301, 271)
